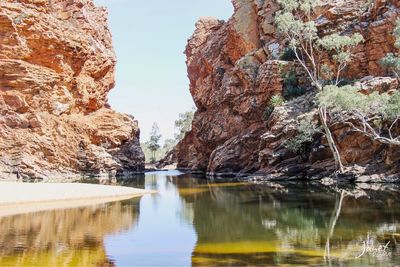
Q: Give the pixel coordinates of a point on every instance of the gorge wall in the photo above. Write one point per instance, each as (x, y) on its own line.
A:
(234, 68)
(57, 66)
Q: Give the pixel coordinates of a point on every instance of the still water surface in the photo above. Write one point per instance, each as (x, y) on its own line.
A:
(196, 222)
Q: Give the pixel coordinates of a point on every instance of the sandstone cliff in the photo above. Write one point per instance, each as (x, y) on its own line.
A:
(234, 68)
(56, 68)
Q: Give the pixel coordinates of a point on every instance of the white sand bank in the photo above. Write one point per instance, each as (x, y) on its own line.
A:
(17, 198)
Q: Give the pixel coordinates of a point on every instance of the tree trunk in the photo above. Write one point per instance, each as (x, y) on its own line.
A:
(331, 141)
(332, 224)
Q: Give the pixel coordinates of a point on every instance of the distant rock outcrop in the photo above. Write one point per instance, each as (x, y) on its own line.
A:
(234, 68)
(56, 68)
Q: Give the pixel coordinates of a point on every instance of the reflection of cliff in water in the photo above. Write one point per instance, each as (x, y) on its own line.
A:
(70, 237)
(257, 224)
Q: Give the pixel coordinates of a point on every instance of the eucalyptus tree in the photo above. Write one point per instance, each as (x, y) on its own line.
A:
(375, 115)
(184, 124)
(296, 23)
(392, 61)
(153, 143)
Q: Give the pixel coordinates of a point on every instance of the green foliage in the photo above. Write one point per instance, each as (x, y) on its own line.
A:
(293, 92)
(291, 87)
(338, 43)
(305, 6)
(290, 78)
(295, 22)
(305, 135)
(153, 144)
(350, 99)
(169, 144)
(392, 107)
(184, 124)
(152, 157)
(155, 137)
(288, 24)
(375, 114)
(289, 5)
(391, 61)
(148, 154)
(396, 33)
(292, 25)
(275, 101)
(342, 82)
(368, 5)
(154, 151)
(340, 47)
(288, 54)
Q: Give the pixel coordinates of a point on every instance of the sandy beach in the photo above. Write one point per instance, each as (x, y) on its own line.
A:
(17, 198)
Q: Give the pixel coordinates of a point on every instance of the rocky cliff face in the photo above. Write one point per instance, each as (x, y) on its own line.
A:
(234, 69)
(56, 68)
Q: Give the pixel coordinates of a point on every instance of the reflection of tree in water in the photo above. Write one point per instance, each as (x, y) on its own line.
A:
(255, 224)
(70, 237)
(152, 181)
(136, 181)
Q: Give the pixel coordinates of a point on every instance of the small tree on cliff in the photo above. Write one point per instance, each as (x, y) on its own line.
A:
(169, 144)
(392, 61)
(153, 143)
(184, 124)
(375, 115)
(295, 21)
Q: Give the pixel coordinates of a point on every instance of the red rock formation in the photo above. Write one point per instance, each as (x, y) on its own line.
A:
(234, 69)
(56, 68)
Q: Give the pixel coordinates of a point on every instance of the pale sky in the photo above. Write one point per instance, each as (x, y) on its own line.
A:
(149, 39)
